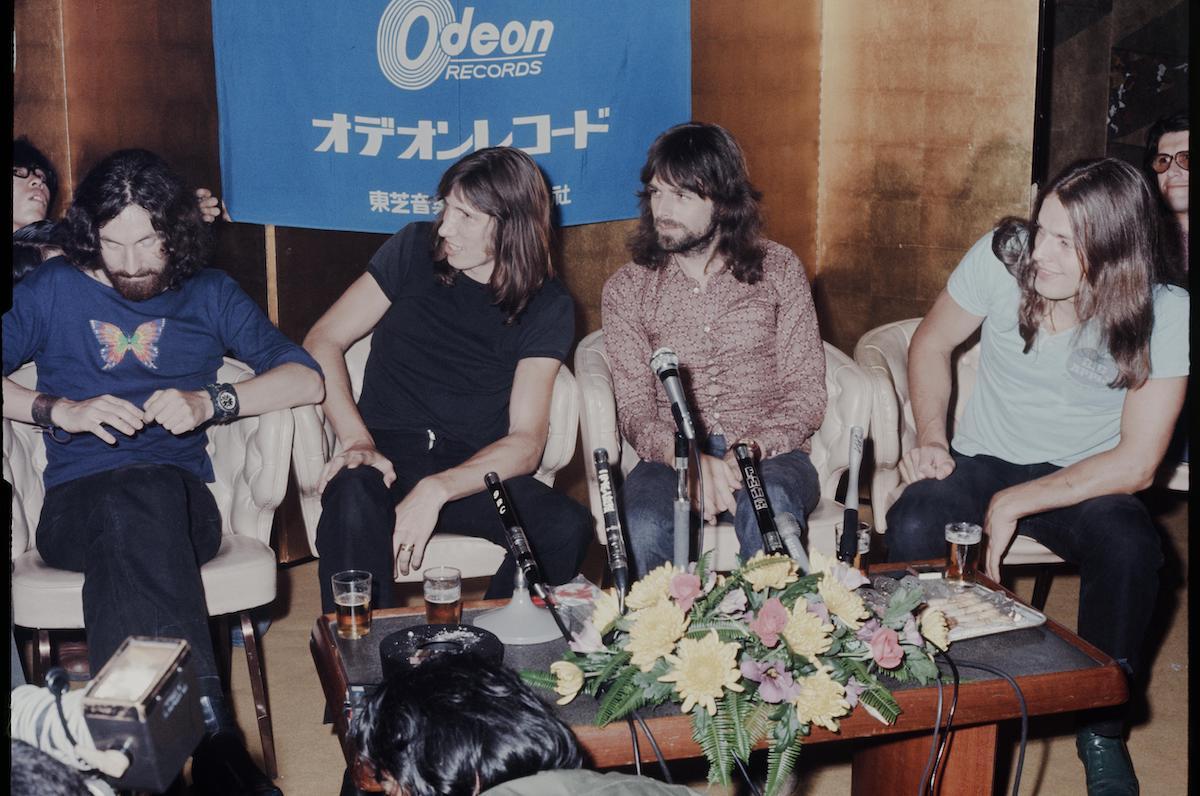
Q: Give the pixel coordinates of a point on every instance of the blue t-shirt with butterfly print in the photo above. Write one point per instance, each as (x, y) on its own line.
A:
(88, 340)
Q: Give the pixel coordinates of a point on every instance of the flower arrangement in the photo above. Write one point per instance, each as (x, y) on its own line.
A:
(762, 652)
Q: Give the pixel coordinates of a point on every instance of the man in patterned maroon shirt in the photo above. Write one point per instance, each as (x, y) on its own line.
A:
(738, 311)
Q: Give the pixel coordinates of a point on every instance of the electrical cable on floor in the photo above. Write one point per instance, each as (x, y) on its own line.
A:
(662, 763)
(746, 776)
(637, 752)
(937, 725)
(937, 763)
(1024, 714)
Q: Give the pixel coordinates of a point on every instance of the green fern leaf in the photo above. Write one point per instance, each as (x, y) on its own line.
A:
(706, 731)
(623, 697)
(540, 679)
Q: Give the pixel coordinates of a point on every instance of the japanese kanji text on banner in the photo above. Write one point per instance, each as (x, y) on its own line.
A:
(342, 114)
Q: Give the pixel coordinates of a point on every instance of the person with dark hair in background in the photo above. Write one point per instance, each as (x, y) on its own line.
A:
(1167, 162)
(127, 330)
(470, 328)
(35, 187)
(738, 311)
(459, 726)
(1083, 366)
(32, 772)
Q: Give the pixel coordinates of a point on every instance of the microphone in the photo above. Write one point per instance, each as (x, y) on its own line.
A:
(665, 365)
(754, 486)
(789, 530)
(848, 545)
(617, 562)
(518, 544)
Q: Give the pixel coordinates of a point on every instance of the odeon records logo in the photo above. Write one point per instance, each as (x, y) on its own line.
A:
(458, 49)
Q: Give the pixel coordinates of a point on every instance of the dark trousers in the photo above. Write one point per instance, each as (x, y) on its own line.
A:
(648, 495)
(139, 535)
(358, 518)
(1112, 540)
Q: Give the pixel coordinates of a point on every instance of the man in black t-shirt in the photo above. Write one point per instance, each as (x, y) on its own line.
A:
(470, 328)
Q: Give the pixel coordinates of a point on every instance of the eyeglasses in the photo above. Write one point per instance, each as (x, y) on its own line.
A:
(23, 172)
(1162, 161)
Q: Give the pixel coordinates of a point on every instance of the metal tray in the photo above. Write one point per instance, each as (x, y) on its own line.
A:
(978, 610)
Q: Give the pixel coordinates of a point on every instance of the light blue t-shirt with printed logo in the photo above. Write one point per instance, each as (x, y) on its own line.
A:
(1052, 404)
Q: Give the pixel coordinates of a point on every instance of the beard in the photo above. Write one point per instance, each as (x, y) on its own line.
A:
(687, 241)
(138, 288)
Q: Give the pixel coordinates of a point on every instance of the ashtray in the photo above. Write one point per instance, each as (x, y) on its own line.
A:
(406, 649)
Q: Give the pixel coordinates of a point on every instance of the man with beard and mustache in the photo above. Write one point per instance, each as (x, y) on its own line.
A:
(127, 330)
(738, 311)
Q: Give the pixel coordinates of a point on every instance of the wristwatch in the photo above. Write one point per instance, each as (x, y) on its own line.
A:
(224, 400)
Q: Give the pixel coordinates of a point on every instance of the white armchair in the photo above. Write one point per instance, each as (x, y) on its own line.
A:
(250, 459)
(849, 405)
(315, 444)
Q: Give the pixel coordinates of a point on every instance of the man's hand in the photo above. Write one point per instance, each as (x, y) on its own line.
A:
(95, 413)
(358, 455)
(1000, 526)
(415, 517)
(721, 479)
(179, 411)
(211, 208)
(926, 461)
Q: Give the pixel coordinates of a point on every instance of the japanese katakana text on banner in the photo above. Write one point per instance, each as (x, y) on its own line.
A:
(343, 114)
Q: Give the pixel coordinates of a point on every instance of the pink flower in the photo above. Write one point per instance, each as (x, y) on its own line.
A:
(771, 620)
(775, 685)
(853, 689)
(885, 648)
(685, 588)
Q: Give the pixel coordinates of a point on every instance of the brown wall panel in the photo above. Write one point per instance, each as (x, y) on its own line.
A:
(39, 90)
(926, 140)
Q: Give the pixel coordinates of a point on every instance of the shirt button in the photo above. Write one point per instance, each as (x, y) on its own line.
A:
(716, 415)
(707, 328)
(696, 290)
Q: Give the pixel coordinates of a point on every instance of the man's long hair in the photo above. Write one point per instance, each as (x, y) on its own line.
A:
(1173, 264)
(1115, 221)
(454, 718)
(27, 155)
(142, 178)
(504, 183)
(706, 160)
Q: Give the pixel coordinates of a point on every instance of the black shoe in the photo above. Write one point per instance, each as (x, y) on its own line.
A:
(1106, 761)
(221, 766)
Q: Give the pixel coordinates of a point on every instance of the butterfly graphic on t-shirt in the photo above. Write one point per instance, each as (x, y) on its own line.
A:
(143, 342)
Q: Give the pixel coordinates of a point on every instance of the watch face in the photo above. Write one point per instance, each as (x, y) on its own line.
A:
(227, 401)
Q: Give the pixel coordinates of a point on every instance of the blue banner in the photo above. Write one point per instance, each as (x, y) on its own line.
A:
(341, 114)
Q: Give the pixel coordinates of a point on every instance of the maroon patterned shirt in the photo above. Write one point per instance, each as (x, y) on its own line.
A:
(751, 358)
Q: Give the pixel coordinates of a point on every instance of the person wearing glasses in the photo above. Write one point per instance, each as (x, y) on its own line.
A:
(1082, 372)
(1167, 161)
(35, 187)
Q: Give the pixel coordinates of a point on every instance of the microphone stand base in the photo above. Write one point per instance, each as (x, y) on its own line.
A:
(520, 622)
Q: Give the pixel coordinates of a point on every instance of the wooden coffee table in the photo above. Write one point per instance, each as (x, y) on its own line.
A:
(1056, 670)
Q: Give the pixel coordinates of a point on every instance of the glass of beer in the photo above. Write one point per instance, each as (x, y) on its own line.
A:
(963, 541)
(443, 596)
(352, 602)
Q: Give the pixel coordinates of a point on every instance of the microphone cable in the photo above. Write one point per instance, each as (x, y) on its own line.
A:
(937, 726)
(637, 752)
(941, 752)
(746, 776)
(1024, 714)
(662, 762)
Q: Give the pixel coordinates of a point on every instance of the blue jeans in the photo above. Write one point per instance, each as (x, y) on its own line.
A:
(648, 496)
(358, 517)
(139, 535)
(1111, 538)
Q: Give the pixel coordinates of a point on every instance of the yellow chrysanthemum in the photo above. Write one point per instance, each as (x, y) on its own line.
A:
(702, 670)
(819, 562)
(569, 680)
(651, 589)
(805, 633)
(841, 601)
(654, 632)
(605, 610)
(821, 700)
(773, 576)
(935, 629)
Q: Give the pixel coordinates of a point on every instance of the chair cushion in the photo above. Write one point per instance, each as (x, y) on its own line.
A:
(241, 576)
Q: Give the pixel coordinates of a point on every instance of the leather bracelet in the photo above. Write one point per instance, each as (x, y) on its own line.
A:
(42, 406)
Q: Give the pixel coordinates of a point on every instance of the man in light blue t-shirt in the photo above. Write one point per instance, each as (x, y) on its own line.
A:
(1082, 371)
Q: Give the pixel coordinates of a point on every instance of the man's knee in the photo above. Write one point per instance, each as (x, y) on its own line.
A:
(915, 523)
(355, 502)
(1119, 529)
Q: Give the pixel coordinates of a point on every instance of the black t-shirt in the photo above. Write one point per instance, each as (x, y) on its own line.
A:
(442, 357)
